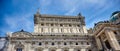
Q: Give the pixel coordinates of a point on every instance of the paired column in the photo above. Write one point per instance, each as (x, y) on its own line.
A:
(112, 40)
(59, 49)
(84, 29)
(46, 49)
(83, 49)
(11, 47)
(71, 49)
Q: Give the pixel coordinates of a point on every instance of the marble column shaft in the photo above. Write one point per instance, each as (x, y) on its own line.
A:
(112, 40)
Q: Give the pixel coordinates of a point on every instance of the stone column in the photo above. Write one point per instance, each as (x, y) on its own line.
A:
(71, 49)
(98, 43)
(46, 49)
(84, 29)
(59, 49)
(83, 49)
(9, 47)
(12, 47)
(112, 40)
(103, 43)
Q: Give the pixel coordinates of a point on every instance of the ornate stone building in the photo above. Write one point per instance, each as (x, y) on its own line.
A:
(67, 33)
(53, 33)
(107, 33)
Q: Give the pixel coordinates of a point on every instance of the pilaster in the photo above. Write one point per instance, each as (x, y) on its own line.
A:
(98, 43)
(71, 49)
(83, 49)
(59, 49)
(46, 49)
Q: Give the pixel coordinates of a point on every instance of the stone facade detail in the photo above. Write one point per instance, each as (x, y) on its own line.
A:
(107, 33)
(66, 33)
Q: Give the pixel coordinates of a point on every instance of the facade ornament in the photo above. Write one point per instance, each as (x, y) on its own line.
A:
(79, 14)
(19, 45)
(38, 11)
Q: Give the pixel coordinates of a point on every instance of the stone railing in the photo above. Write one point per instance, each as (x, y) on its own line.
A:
(59, 34)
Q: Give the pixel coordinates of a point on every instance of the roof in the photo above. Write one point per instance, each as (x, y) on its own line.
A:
(59, 16)
(22, 32)
(115, 13)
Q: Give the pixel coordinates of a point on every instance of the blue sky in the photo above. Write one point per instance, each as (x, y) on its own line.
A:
(18, 14)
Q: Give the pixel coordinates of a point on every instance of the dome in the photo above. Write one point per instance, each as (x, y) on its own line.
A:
(114, 16)
(22, 32)
(115, 12)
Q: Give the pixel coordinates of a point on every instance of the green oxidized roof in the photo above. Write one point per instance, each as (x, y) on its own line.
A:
(114, 16)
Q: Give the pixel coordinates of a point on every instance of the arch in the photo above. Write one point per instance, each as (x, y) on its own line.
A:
(66, 49)
(19, 45)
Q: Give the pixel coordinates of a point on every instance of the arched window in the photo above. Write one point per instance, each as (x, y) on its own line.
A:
(61, 25)
(19, 49)
(87, 43)
(78, 50)
(89, 50)
(19, 46)
(52, 50)
(65, 50)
